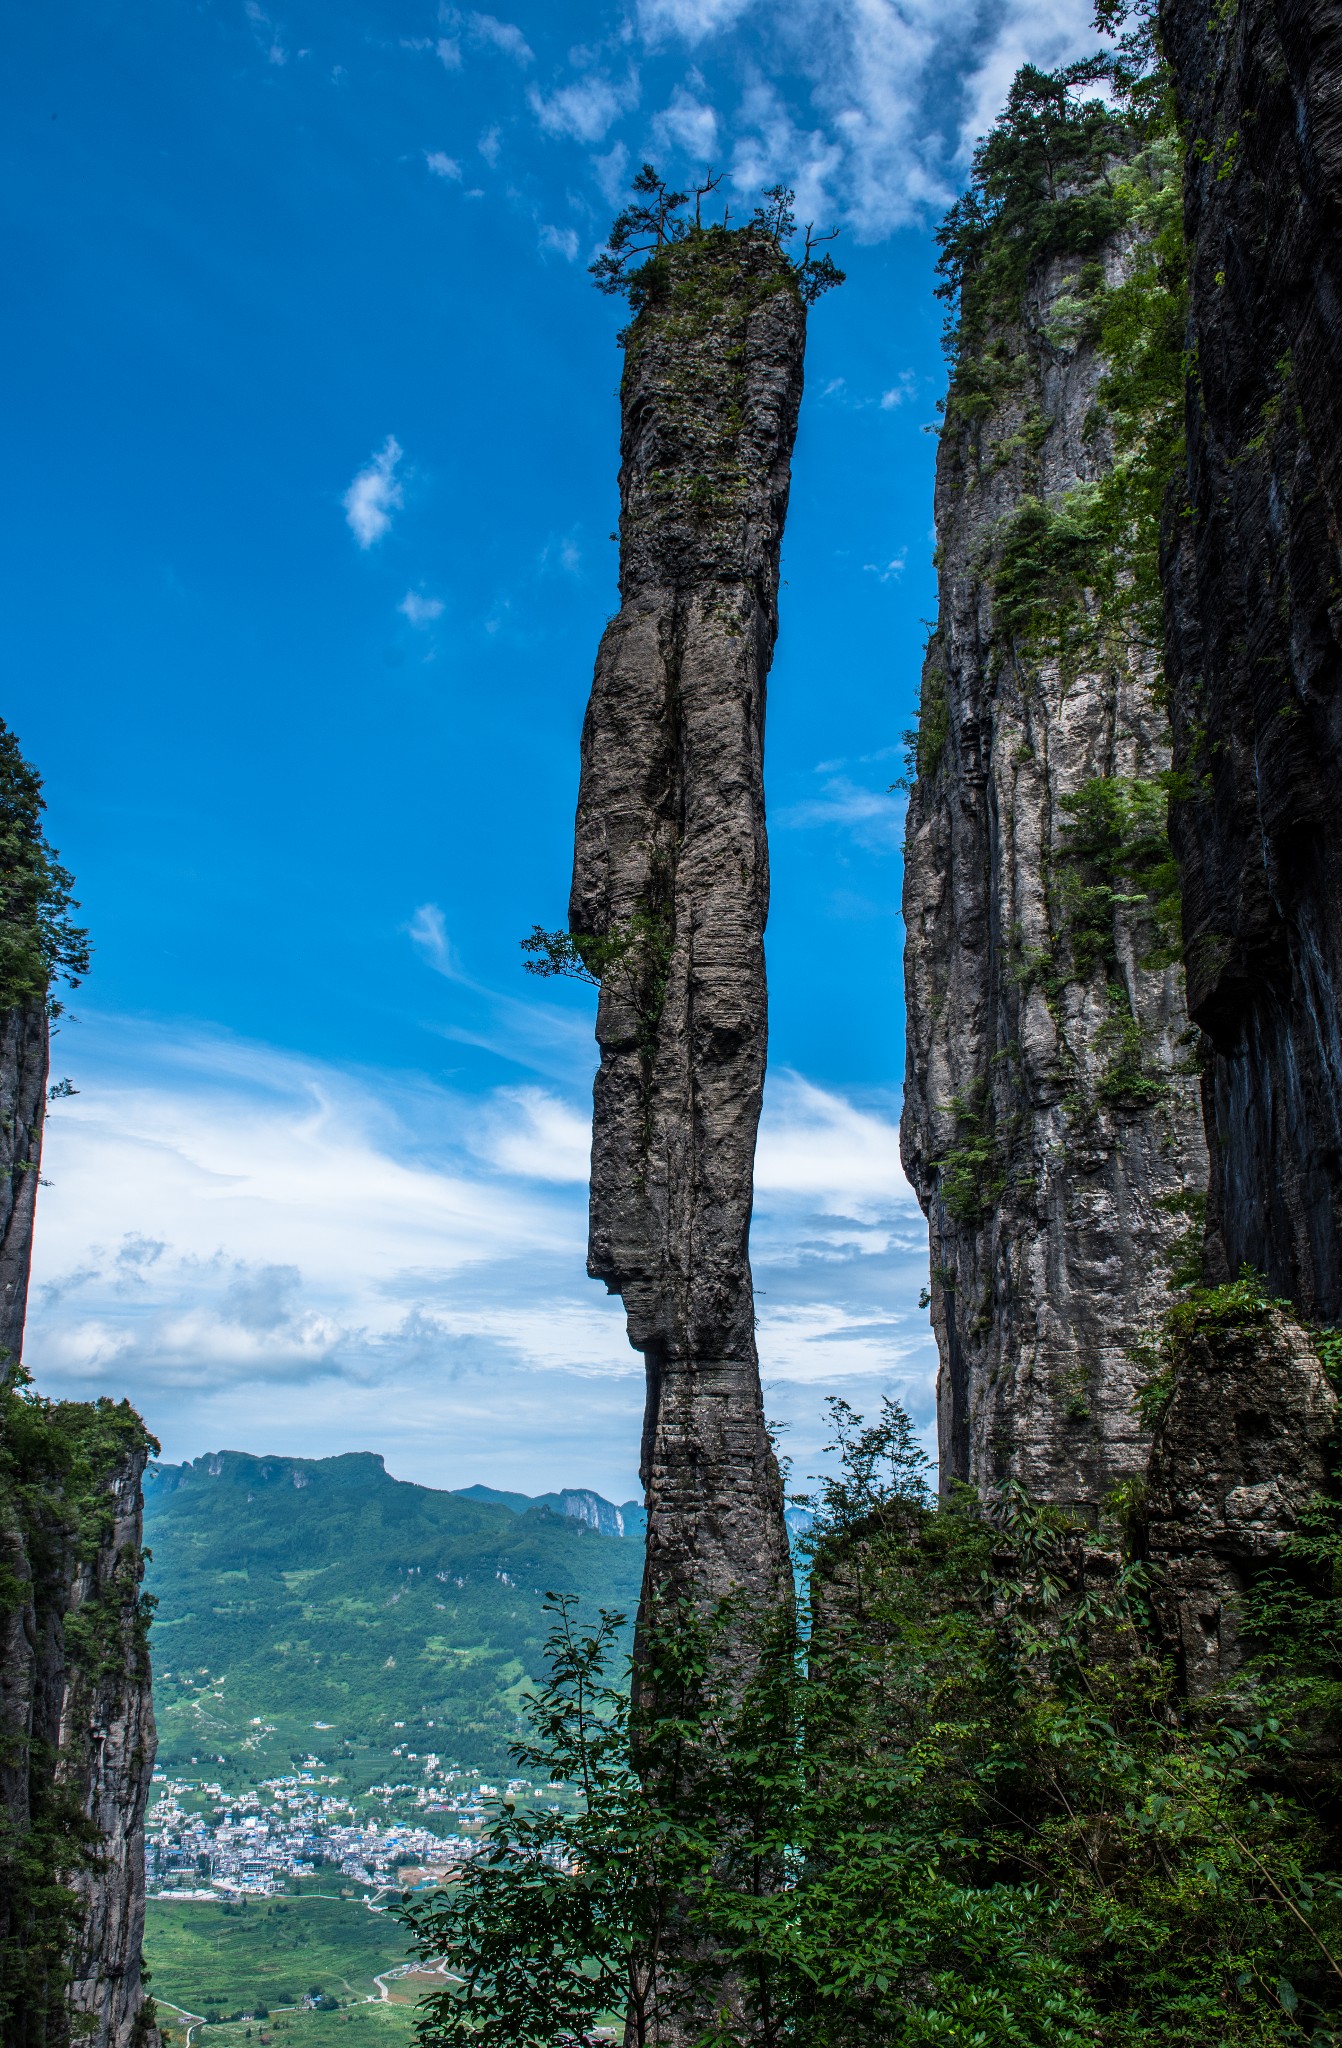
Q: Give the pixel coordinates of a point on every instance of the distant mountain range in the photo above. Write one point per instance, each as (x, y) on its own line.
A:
(578, 1503)
(319, 1605)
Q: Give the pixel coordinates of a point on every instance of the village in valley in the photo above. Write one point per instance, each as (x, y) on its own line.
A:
(206, 1843)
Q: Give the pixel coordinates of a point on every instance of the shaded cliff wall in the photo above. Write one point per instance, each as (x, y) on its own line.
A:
(1051, 1121)
(76, 1719)
(23, 1101)
(76, 1724)
(671, 876)
(1254, 572)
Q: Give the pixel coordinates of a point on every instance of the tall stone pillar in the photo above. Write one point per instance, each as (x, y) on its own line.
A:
(671, 875)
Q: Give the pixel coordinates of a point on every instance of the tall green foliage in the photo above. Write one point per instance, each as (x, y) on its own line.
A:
(963, 1806)
(38, 939)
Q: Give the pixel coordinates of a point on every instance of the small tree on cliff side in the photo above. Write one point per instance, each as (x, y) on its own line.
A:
(656, 221)
(38, 938)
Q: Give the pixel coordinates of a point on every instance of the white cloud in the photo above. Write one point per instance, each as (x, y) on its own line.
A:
(888, 572)
(898, 90)
(563, 241)
(532, 1133)
(421, 611)
(274, 1254)
(611, 173)
(489, 145)
(428, 932)
(817, 1144)
(584, 110)
(503, 35)
(442, 165)
(1043, 32)
(872, 816)
(900, 392)
(374, 495)
(687, 123)
(691, 19)
(449, 53)
(268, 34)
(823, 1341)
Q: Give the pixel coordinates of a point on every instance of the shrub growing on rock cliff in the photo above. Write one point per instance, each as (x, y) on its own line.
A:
(38, 938)
(656, 221)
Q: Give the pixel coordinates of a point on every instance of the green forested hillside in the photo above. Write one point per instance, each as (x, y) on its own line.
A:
(317, 1604)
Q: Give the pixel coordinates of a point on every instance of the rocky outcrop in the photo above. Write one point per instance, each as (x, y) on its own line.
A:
(76, 1725)
(1253, 562)
(1051, 1121)
(76, 1715)
(23, 1101)
(1240, 1453)
(671, 888)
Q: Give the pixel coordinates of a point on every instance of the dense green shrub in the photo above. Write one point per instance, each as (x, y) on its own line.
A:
(38, 940)
(966, 1806)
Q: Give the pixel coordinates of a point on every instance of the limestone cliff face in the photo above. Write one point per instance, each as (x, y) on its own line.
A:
(76, 1716)
(671, 874)
(1051, 1119)
(76, 1723)
(23, 1101)
(1240, 1453)
(1253, 571)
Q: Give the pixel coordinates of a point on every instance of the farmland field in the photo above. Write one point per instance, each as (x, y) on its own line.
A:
(233, 1956)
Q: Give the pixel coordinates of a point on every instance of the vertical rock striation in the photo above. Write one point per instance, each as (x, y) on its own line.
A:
(23, 1100)
(76, 1725)
(1253, 570)
(1051, 1124)
(76, 1716)
(671, 888)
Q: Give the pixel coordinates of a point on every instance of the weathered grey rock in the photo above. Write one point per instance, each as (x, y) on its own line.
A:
(76, 1724)
(671, 862)
(1253, 571)
(1239, 1454)
(1051, 1121)
(107, 1745)
(76, 1714)
(23, 1101)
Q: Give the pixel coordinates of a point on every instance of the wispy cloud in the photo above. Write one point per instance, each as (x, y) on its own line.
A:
(687, 123)
(442, 165)
(888, 572)
(586, 109)
(268, 33)
(692, 19)
(276, 1254)
(501, 35)
(428, 934)
(420, 610)
(900, 392)
(374, 495)
(815, 1143)
(562, 241)
(896, 91)
(872, 816)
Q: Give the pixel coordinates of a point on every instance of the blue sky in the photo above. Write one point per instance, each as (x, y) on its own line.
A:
(312, 473)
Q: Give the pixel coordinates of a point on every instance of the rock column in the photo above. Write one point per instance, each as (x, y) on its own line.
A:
(1253, 572)
(1051, 1121)
(671, 874)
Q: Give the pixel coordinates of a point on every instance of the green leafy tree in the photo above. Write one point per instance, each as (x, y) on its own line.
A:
(39, 941)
